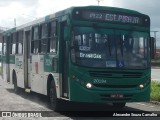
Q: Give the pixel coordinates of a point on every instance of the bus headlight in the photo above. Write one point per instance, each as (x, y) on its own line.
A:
(141, 86)
(88, 85)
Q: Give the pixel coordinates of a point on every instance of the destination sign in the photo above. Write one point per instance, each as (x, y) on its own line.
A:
(107, 16)
(115, 17)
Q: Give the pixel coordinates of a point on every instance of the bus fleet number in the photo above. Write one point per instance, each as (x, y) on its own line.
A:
(99, 81)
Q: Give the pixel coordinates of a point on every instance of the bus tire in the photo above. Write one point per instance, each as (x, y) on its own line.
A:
(53, 97)
(16, 88)
(119, 105)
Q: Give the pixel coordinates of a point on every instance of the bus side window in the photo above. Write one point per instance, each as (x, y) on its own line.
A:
(52, 37)
(4, 45)
(14, 43)
(44, 37)
(35, 40)
(20, 42)
(10, 45)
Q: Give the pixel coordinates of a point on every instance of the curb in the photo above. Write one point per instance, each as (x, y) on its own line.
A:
(155, 102)
(157, 80)
(155, 67)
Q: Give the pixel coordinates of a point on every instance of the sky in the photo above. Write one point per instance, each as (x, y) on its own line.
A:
(18, 12)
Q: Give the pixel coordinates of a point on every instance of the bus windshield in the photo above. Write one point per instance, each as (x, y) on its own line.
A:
(109, 48)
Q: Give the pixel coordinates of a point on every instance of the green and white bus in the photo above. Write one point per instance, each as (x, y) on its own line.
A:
(91, 54)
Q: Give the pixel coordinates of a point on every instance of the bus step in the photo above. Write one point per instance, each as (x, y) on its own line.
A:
(28, 90)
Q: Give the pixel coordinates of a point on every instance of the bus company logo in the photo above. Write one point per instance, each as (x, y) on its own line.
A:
(48, 62)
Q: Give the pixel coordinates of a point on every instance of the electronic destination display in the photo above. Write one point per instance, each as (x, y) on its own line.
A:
(109, 16)
(115, 17)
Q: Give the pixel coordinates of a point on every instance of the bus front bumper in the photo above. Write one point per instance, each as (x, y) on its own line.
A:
(79, 93)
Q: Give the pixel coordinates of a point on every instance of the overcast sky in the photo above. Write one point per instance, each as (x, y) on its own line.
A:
(27, 10)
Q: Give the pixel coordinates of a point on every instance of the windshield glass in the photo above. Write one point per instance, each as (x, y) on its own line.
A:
(108, 48)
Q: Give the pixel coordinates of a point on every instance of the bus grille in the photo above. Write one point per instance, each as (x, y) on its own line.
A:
(115, 74)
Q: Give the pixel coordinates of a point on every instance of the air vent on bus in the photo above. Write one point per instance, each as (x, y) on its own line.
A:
(115, 74)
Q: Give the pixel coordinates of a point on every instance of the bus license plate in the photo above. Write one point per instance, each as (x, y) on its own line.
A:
(116, 96)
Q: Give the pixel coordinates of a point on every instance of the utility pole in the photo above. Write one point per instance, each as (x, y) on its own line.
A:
(98, 1)
(14, 22)
(155, 41)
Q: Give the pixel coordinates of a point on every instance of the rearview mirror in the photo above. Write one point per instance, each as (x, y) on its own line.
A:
(152, 47)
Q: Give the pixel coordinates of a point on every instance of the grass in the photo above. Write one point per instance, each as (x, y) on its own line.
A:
(155, 91)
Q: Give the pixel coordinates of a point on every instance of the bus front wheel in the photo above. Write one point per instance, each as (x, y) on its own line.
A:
(53, 97)
(119, 105)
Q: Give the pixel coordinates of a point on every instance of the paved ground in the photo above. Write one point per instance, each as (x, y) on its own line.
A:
(155, 74)
(9, 101)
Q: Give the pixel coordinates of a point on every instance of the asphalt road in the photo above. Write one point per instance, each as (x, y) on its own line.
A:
(9, 101)
(155, 74)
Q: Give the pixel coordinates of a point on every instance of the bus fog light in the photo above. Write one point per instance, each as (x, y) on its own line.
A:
(141, 86)
(88, 85)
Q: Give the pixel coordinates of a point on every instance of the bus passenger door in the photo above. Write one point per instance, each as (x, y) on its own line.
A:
(27, 82)
(65, 61)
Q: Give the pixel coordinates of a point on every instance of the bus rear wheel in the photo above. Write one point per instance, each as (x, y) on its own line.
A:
(119, 105)
(53, 97)
(16, 88)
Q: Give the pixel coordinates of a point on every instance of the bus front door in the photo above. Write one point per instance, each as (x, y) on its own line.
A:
(27, 82)
(65, 61)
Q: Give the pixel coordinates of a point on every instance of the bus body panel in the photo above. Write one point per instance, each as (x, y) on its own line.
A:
(4, 69)
(12, 66)
(19, 66)
(37, 73)
(82, 94)
(104, 87)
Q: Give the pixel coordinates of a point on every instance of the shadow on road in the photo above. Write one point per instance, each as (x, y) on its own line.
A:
(10, 90)
(73, 109)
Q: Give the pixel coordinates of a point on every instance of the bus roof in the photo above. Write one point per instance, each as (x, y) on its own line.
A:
(69, 11)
